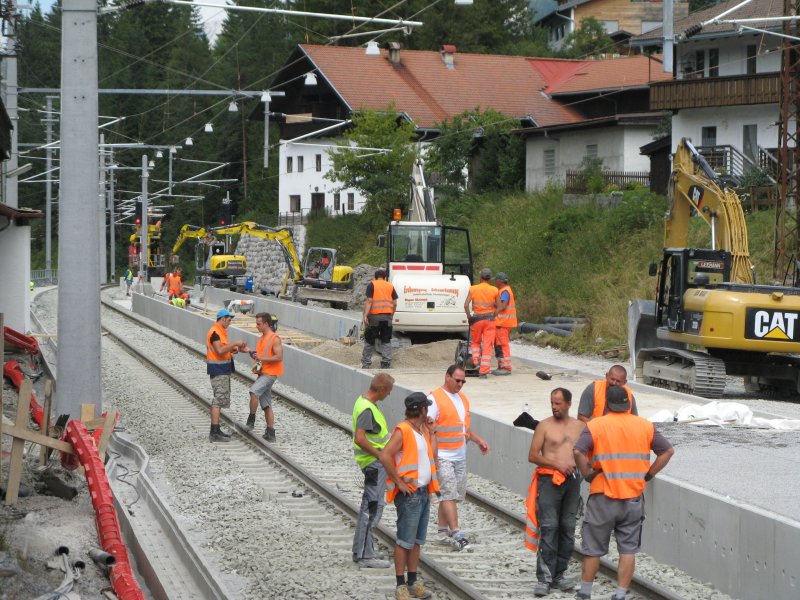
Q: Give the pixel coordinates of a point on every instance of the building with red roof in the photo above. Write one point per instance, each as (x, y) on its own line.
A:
(324, 85)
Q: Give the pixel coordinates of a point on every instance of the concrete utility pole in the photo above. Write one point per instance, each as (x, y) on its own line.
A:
(145, 227)
(112, 219)
(78, 240)
(101, 195)
(669, 36)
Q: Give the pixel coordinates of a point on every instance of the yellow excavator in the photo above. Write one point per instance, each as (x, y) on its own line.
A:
(709, 318)
(213, 264)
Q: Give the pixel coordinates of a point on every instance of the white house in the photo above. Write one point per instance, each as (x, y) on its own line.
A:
(726, 84)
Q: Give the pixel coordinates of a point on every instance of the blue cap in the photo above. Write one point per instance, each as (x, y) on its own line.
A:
(224, 313)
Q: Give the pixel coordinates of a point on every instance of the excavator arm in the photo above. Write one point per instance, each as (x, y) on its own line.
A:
(695, 189)
(188, 232)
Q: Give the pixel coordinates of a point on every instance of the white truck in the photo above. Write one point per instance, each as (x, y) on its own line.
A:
(430, 266)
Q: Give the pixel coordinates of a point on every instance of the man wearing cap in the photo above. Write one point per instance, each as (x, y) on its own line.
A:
(379, 307)
(484, 300)
(449, 417)
(269, 366)
(370, 435)
(505, 321)
(408, 460)
(593, 398)
(619, 444)
(219, 365)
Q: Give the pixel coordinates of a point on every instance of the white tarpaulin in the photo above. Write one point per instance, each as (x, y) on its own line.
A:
(722, 413)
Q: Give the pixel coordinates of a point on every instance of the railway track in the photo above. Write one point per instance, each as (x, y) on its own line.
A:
(499, 567)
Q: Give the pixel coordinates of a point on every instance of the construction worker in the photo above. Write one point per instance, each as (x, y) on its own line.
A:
(370, 435)
(505, 321)
(484, 300)
(219, 365)
(174, 283)
(450, 419)
(593, 398)
(30, 285)
(619, 444)
(415, 480)
(554, 495)
(128, 277)
(269, 366)
(379, 309)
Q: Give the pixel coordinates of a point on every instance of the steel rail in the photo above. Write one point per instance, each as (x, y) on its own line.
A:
(639, 584)
(454, 584)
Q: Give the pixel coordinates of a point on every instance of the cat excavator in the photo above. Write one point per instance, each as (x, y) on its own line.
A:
(709, 318)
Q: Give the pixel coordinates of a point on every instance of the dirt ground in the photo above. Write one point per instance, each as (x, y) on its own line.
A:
(33, 528)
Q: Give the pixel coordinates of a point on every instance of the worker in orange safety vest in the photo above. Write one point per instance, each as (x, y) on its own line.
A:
(505, 321)
(174, 283)
(408, 458)
(219, 366)
(379, 307)
(613, 455)
(593, 398)
(268, 367)
(481, 306)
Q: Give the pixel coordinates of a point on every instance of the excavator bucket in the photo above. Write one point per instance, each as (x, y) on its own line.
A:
(641, 328)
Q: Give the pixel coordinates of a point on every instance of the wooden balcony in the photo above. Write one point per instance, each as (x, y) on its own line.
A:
(712, 92)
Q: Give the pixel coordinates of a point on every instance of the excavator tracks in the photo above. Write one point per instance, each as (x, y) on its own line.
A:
(682, 370)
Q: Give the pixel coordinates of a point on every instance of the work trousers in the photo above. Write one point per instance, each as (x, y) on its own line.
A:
(379, 329)
(556, 511)
(501, 343)
(481, 345)
(372, 502)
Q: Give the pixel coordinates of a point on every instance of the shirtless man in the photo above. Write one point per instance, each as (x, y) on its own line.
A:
(554, 495)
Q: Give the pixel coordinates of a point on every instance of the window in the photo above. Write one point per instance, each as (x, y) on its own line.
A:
(351, 201)
(337, 202)
(752, 53)
(713, 62)
(288, 164)
(708, 136)
(610, 26)
(591, 151)
(319, 163)
(294, 204)
(700, 62)
(650, 25)
(549, 162)
(750, 142)
(299, 164)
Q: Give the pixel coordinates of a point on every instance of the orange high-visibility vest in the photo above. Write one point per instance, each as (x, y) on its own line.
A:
(508, 316)
(407, 465)
(622, 450)
(216, 363)
(600, 387)
(532, 521)
(382, 301)
(264, 347)
(450, 429)
(484, 298)
(173, 284)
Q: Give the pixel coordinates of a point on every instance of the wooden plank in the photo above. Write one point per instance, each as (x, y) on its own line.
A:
(87, 412)
(27, 435)
(108, 429)
(18, 444)
(44, 455)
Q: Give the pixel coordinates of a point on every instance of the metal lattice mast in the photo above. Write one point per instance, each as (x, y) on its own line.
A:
(787, 242)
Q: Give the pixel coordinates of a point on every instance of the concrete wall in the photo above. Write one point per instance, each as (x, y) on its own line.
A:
(729, 121)
(15, 248)
(744, 551)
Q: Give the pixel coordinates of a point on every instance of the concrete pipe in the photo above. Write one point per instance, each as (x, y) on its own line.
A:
(104, 559)
(525, 327)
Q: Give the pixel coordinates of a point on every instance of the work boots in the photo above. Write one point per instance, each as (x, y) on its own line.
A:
(251, 422)
(217, 435)
(269, 434)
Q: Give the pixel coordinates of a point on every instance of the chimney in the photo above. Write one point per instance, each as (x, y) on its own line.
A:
(448, 52)
(394, 53)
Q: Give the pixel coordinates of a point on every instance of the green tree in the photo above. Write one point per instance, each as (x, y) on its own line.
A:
(480, 140)
(587, 40)
(383, 177)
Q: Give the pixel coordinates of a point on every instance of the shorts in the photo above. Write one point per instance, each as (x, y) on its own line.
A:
(221, 386)
(452, 476)
(412, 517)
(604, 515)
(262, 389)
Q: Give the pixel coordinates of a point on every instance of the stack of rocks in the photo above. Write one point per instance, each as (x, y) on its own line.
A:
(266, 259)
